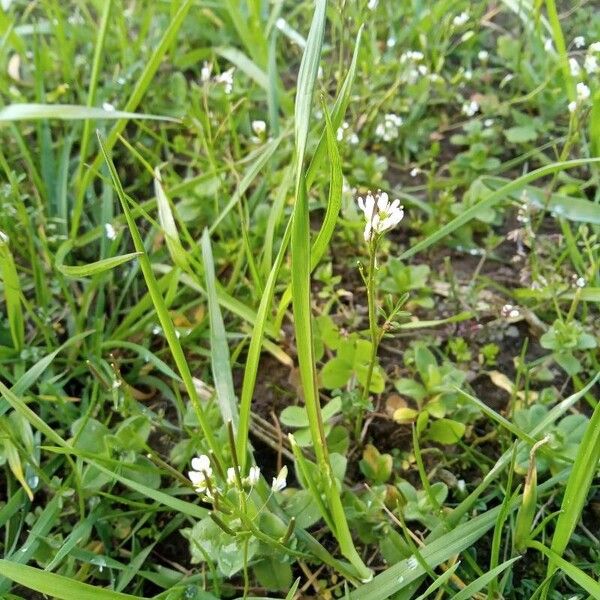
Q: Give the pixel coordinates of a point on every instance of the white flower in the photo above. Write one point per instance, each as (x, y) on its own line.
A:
(470, 108)
(583, 92)
(320, 72)
(510, 312)
(595, 47)
(259, 127)
(353, 139)
(201, 472)
(389, 129)
(110, 232)
(488, 122)
(415, 171)
(572, 106)
(580, 282)
(574, 66)
(3, 238)
(226, 78)
(548, 46)
(279, 482)
(372, 4)
(411, 56)
(108, 107)
(253, 475)
(483, 55)
(205, 72)
(590, 64)
(231, 478)
(380, 214)
(391, 42)
(468, 74)
(461, 19)
(579, 41)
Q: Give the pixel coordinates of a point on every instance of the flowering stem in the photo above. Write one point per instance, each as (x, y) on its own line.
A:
(370, 283)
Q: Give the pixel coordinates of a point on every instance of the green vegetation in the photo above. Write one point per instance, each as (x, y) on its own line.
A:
(299, 299)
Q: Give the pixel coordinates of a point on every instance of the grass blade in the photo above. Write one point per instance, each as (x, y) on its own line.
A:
(135, 98)
(12, 294)
(491, 201)
(57, 586)
(219, 349)
(481, 582)
(69, 112)
(578, 486)
(161, 309)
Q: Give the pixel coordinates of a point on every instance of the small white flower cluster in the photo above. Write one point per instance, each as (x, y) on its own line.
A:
(461, 19)
(590, 62)
(380, 214)
(225, 78)
(510, 312)
(344, 132)
(578, 282)
(470, 108)
(259, 128)
(412, 59)
(3, 238)
(583, 93)
(203, 481)
(110, 232)
(579, 41)
(389, 128)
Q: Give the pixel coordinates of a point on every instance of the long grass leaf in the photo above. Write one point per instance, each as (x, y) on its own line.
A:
(219, 349)
(161, 309)
(57, 586)
(578, 486)
(69, 112)
(491, 201)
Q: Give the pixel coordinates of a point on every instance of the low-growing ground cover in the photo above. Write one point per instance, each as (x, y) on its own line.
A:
(299, 299)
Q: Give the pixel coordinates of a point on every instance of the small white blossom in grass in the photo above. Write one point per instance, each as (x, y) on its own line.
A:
(110, 232)
(280, 482)
(205, 72)
(483, 55)
(372, 4)
(579, 41)
(415, 171)
(380, 214)
(578, 282)
(595, 47)
(590, 64)
(259, 127)
(253, 475)
(572, 106)
(201, 472)
(389, 129)
(574, 67)
(107, 106)
(470, 108)
(226, 78)
(548, 45)
(391, 42)
(460, 20)
(510, 312)
(488, 122)
(3, 238)
(583, 92)
(231, 478)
